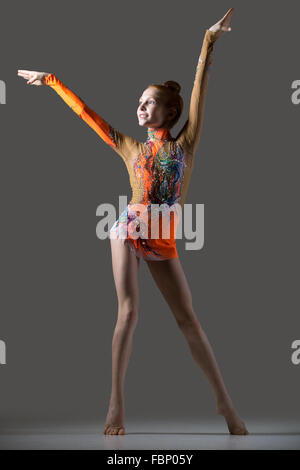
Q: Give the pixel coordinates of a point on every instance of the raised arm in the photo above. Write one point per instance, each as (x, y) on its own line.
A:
(189, 136)
(124, 145)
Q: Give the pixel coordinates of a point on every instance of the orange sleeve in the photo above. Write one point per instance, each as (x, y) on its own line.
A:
(190, 134)
(121, 143)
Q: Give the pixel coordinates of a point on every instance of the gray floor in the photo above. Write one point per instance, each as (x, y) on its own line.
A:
(180, 435)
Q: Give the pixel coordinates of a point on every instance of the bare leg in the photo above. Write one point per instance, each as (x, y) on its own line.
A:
(125, 270)
(170, 279)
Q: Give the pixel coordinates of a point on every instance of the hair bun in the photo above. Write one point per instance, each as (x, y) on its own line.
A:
(174, 86)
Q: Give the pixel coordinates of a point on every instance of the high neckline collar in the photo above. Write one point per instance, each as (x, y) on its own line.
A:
(158, 133)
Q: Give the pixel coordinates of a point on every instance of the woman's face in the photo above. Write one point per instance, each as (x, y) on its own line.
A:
(151, 111)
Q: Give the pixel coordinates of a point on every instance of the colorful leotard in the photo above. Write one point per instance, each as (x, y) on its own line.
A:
(159, 169)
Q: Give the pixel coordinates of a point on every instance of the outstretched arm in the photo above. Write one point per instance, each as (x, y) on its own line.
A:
(124, 145)
(121, 143)
(189, 136)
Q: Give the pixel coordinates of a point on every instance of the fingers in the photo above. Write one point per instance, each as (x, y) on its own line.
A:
(27, 71)
(224, 28)
(227, 17)
(33, 79)
(24, 74)
(28, 75)
(219, 30)
(229, 12)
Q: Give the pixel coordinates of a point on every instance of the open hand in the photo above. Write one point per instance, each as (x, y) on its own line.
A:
(33, 77)
(223, 24)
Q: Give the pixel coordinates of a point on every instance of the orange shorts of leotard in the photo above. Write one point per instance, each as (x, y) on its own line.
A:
(131, 228)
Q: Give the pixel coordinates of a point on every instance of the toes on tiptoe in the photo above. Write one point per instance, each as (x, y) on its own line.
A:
(111, 431)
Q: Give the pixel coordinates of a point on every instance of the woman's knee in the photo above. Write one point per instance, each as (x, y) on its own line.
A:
(186, 317)
(128, 312)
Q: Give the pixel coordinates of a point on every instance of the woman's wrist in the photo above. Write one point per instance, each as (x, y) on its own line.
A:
(212, 34)
(45, 77)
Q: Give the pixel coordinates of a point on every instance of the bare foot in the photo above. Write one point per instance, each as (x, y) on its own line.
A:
(114, 420)
(235, 424)
(114, 429)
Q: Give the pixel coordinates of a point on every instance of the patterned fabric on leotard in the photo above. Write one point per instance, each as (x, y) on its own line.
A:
(159, 169)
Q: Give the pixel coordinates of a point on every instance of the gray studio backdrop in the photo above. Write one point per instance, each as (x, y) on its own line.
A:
(58, 302)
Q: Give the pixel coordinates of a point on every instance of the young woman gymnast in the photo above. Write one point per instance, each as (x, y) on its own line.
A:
(159, 171)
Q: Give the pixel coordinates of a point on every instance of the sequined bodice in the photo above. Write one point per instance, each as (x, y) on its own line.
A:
(159, 169)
